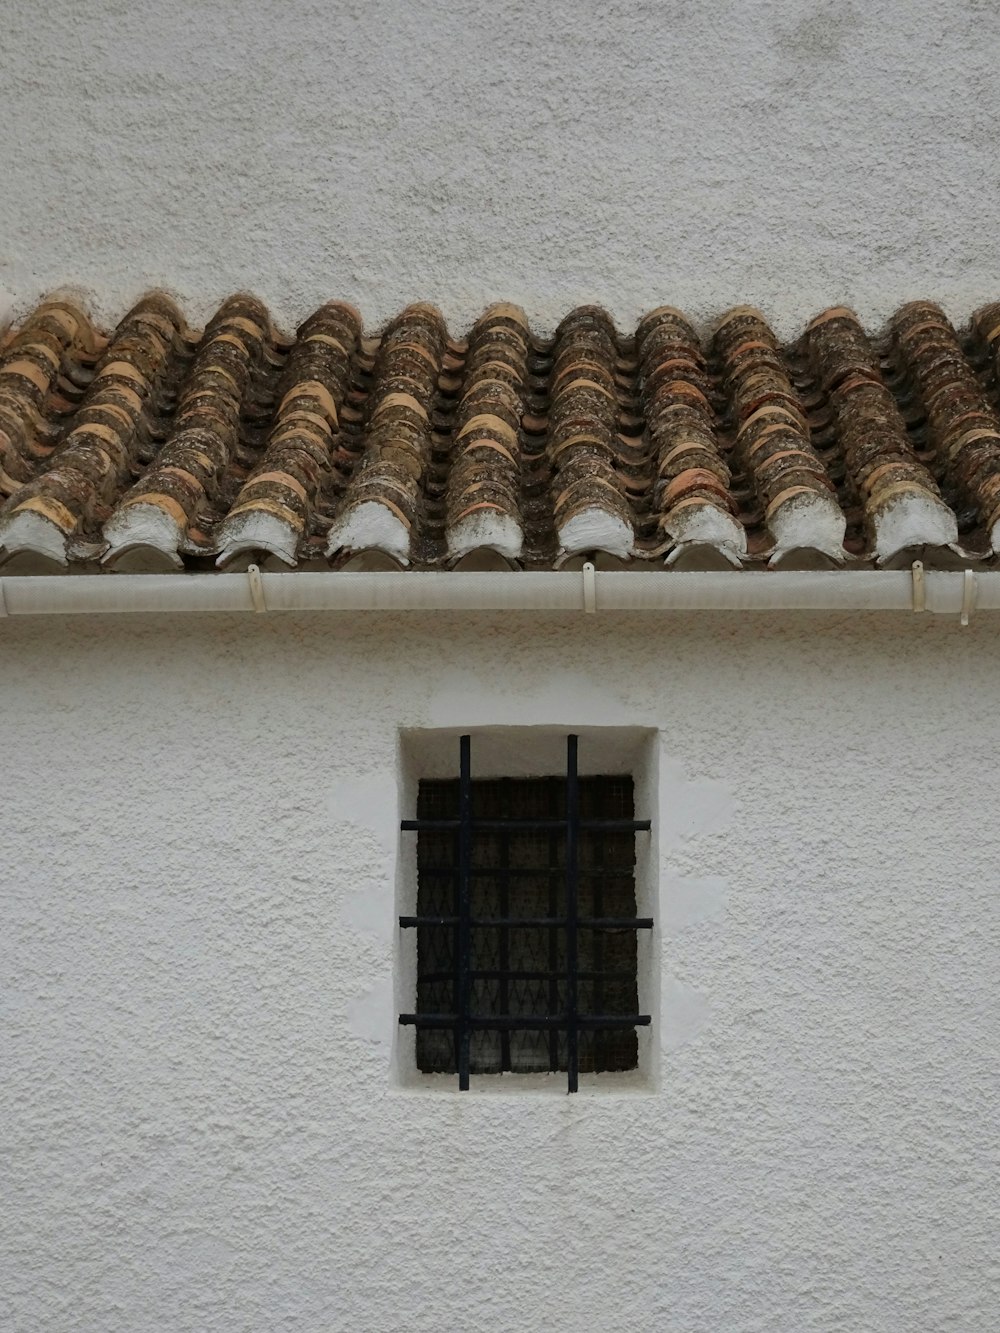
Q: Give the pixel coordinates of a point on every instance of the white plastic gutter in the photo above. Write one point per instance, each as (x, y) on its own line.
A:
(957, 593)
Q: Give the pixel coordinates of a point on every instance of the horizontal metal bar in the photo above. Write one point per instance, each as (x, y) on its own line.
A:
(607, 825)
(497, 975)
(532, 872)
(488, 1022)
(591, 922)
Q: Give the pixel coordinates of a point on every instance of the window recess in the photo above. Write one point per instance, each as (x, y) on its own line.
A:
(526, 923)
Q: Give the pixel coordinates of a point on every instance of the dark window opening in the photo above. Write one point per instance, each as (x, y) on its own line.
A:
(526, 924)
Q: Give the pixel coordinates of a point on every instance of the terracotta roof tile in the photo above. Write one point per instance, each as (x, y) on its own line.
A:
(483, 491)
(159, 447)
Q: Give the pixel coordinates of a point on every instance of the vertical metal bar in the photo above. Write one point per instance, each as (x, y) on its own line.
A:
(572, 910)
(464, 996)
(595, 908)
(553, 933)
(505, 930)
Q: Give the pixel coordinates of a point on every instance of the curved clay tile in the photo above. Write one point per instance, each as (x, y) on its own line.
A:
(800, 505)
(962, 425)
(155, 514)
(691, 489)
(986, 325)
(88, 469)
(591, 510)
(383, 504)
(484, 483)
(274, 507)
(902, 504)
(33, 356)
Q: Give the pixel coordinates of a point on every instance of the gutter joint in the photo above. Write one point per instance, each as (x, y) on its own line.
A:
(589, 587)
(256, 588)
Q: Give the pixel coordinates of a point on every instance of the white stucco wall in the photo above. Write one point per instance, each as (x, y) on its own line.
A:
(793, 153)
(198, 1123)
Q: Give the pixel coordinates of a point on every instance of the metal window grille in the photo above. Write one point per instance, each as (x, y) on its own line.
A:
(526, 924)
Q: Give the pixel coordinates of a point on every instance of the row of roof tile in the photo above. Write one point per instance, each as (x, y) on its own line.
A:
(160, 447)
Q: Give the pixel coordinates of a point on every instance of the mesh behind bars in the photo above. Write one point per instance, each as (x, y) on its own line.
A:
(520, 971)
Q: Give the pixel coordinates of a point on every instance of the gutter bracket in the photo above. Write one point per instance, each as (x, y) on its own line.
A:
(589, 587)
(919, 586)
(256, 588)
(968, 596)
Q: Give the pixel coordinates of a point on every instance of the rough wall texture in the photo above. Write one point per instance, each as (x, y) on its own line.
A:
(198, 1126)
(792, 153)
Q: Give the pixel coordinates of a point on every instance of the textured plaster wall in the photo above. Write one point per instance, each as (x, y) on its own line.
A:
(793, 153)
(197, 1119)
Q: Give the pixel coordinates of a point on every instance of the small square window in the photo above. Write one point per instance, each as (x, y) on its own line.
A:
(526, 958)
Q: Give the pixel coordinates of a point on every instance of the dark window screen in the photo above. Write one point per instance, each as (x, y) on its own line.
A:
(520, 971)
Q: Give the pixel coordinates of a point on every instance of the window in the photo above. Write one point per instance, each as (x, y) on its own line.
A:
(526, 923)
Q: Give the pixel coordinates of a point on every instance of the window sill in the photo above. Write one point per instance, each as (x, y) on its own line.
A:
(630, 1084)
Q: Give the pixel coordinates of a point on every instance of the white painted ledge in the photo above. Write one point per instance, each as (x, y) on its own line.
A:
(941, 592)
